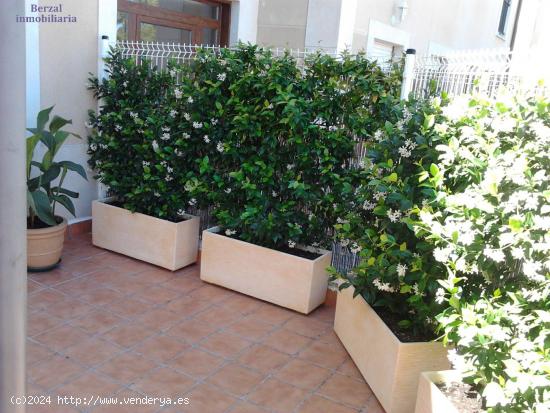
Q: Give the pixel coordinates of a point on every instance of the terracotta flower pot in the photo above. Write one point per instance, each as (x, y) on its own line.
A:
(44, 246)
(170, 245)
(284, 279)
(390, 367)
(432, 400)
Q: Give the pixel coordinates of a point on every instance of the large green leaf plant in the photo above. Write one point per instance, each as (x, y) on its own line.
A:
(44, 189)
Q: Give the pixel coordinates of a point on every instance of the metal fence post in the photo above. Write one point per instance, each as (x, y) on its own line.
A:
(408, 73)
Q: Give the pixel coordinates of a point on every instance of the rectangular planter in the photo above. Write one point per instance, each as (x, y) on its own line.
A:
(390, 367)
(430, 399)
(167, 244)
(280, 278)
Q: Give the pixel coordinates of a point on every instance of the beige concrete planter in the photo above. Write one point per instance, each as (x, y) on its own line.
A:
(390, 367)
(44, 246)
(283, 279)
(430, 399)
(167, 244)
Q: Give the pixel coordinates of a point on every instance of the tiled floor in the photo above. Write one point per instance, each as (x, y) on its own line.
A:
(106, 325)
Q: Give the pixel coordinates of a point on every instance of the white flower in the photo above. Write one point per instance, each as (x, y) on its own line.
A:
(88, 125)
(145, 163)
(133, 115)
(206, 139)
(289, 166)
(155, 145)
(404, 152)
(93, 147)
(197, 125)
(494, 254)
(401, 270)
(442, 254)
(190, 99)
(125, 84)
(440, 296)
(379, 195)
(168, 178)
(378, 135)
(400, 123)
(173, 113)
(192, 201)
(214, 121)
(383, 286)
(185, 135)
(178, 93)
(394, 216)
(221, 76)
(187, 116)
(169, 169)
(118, 128)
(172, 73)
(181, 212)
(531, 270)
(219, 147)
(369, 205)
(274, 194)
(227, 190)
(355, 248)
(123, 71)
(165, 136)
(230, 232)
(156, 194)
(291, 244)
(344, 242)
(518, 253)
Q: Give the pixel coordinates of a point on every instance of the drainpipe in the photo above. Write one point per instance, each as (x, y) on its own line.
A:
(515, 28)
(13, 241)
(408, 73)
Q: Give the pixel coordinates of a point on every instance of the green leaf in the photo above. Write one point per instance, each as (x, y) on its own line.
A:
(515, 223)
(42, 118)
(32, 141)
(50, 174)
(66, 202)
(434, 170)
(42, 207)
(65, 191)
(74, 167)
(57, 123)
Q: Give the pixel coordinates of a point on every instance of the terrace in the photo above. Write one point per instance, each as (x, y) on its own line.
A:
(106, 325)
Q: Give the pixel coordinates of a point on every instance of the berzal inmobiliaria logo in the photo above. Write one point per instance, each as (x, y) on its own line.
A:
(46, 14)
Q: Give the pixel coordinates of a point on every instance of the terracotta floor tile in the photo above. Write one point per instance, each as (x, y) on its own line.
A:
(105, 276)
(127, 367)
(70, 308)
(128, 335)
(45, 298)
(278, 396)
(207, 399)
(164, 382)
(184, 285)
(187, 306)
(264, 359)
(250, 328)
(33, 287)
(306, 326)
(99, 321)
(226, 345)
(246, 407)
(217, 317)
(374, 406)
(191, 331)
(153, 276)
(53, 371)
(286, 341)
(132, 266)
(128, 307)
(157, 295)
(317, 404)
(161, 348)
(242, 304)
(126, 284)
(324, 313)
(61, 337)
(88, 385)
(236, 379)
(92, 351)
(78, 286)
(36, 352)
(212, 293)
(324, 354)
(158, 319)
(196, 363)
(350, 369)
(83, 266)
(52, 277)
(101, 296)
(346, 390)
(41, 321)
(303, 374)
(330, 337)
(273, 314)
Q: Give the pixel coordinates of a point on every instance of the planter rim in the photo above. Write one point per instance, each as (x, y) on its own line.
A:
(215, 231)
(442, 376)
(105, 202)
(394, 337)
(54, 228)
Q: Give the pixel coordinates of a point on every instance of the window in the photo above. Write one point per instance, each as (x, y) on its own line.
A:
(504, 12)
(174, 21)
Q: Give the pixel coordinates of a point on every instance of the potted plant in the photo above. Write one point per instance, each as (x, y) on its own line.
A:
(386, 306)
(45, 229)
(139, 149)
(490, 228)
(275, 167)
